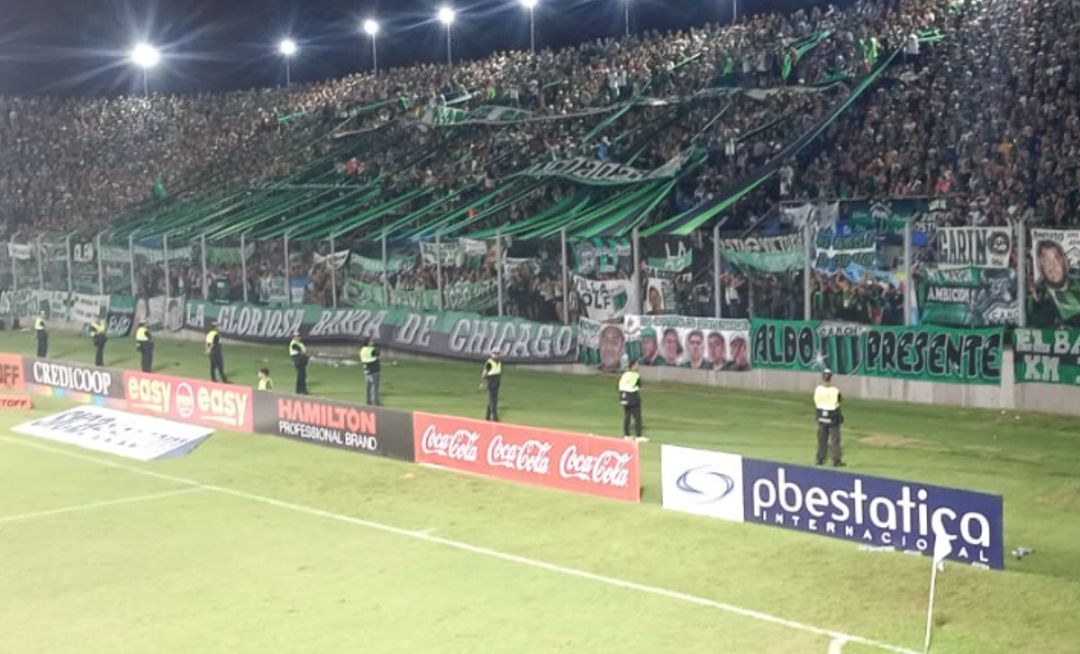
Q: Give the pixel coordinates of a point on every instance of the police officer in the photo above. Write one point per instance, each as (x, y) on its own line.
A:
(144, 343)
(369, 356)
(99, 336)
(630, 399)
(298, 352)
(491, 377)
(827, 402)
(42, 335)
(213, 350)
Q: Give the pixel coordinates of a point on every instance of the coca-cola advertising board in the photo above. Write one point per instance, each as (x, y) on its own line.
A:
(223, 406)
(606, 467)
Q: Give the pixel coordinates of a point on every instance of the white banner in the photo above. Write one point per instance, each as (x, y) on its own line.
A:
(116, 432)
(20, 251)
(981, 247)
(702, 482)
(1054, 254)
(603, 300)
(336, 259)
(85, 309)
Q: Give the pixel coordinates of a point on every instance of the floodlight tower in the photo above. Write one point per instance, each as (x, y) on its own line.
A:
(288, 49)
(446, 16)
(145, 56)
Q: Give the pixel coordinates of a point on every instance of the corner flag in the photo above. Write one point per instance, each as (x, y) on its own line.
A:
(942, 549)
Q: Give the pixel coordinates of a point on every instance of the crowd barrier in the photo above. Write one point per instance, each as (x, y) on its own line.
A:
(604, 467)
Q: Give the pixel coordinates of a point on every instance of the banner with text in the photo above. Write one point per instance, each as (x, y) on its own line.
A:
(450, 334)
(1048, 356)
(224, 406)
(567, 461)
(926, 353)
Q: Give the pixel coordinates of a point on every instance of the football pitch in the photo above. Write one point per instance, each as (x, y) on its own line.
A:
(258, 544)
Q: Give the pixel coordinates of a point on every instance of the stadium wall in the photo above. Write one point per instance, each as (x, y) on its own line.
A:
(1045, 398)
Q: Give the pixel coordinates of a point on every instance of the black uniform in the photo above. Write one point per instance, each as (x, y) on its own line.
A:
(217, 357)
(298, 352)
(42, 337)
(144, 342)
(493, 379)
(99, 336)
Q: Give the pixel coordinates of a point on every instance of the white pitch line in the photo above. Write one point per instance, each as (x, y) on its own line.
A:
(837, 646)
(96, 505)
(484, 551)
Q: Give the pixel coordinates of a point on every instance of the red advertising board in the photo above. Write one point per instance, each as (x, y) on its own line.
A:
(543, 457)
(11, 371)
(225, 406)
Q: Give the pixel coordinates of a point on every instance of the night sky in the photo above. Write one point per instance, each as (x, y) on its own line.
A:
(78, 47)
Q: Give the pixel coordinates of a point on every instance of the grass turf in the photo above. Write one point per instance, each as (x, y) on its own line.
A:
(202, 571)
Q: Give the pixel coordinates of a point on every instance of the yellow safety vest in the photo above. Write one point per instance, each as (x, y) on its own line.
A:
(827, 398)
(496, 367)
(629, 382)
(266, 384)
(296, 346)
(367, 354)
(98, 328)
(210, 339)
(39, 324)
(142, 334)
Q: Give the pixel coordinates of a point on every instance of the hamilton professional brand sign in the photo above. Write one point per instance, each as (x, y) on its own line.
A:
(80, 382)
(450, 334)
(542, 457)
(118, 432)
(927, 353)
(225, 406)
(364, 429)
(870, 510)
(984, 247)
(1048, 356)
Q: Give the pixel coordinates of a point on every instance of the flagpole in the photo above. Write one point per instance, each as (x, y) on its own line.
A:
(930, 607)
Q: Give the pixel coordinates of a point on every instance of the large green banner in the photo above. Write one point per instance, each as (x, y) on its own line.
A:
(925, 353)
(450, 334)
(1047, 355)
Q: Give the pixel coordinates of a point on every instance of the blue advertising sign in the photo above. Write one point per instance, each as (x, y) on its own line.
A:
(874, 510)
(870, 510)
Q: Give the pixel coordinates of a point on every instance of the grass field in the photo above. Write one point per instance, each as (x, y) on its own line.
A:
(258, 544)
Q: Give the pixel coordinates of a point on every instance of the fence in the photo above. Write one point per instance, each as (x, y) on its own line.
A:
(903, 261)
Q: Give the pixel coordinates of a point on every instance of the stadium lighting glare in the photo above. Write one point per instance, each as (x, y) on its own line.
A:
(531, 6)
(287, 47)
(372, 28)
(446, 16)
(145, 56)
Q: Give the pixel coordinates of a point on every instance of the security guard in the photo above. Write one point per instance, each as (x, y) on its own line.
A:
(266, 383)
(42, 335)
(99, 336)
(827, 402)
(630, 399)
(144, 343)
(298, 352)
(369, 356)
(213, 350)
(491, 377)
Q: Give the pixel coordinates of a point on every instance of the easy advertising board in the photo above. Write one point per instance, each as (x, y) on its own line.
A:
(850, 506)
(593, 465)
(223, 406)
(356, 428)
(118, 432)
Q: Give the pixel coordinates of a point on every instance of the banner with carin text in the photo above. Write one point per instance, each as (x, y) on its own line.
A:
(606, 467)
